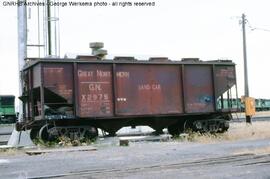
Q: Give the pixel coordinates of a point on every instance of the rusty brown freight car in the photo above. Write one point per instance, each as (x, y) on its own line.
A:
(74, 97)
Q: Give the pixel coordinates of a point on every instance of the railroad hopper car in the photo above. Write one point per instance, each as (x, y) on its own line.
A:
(7, 109)
(232, 103)
(262, 104)
(74, 97)
(265, 104)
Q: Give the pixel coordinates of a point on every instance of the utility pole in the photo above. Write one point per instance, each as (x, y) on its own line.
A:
(49, 19)
(22, 48)
(14, 139)
(248, 117)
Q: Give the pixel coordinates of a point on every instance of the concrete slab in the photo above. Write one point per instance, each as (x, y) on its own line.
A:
(160, 138)
(68, 149)
(5, 147)
(20, 139)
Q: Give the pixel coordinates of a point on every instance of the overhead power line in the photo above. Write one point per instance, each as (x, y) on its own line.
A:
(262, 29)
(256, 28)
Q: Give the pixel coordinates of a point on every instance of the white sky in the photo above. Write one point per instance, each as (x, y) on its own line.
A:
(208, 29)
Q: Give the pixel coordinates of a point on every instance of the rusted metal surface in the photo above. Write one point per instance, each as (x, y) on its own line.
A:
(58, 79)
(54, 97)
(224, 78)
(198, 87)
(94, 90)
(110, 94)
(36, 76)
(147, 89)
(120, 89)
(28, 78)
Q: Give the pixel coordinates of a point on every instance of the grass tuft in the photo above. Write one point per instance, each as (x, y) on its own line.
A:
(237, 131)
(64, 141)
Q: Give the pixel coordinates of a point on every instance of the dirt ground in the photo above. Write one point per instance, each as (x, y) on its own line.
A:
(242, 152)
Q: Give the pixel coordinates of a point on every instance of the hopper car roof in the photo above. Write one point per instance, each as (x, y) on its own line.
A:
(34, 61)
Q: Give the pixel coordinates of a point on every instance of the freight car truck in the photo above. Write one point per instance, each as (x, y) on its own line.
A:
(7, 109)
(74, 97)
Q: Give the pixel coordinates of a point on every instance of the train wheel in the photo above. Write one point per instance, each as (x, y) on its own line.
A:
(174, 130)
(158, 132)
(112, 133)
(34, 134)
(188, 126)
(45, 135)
(225, 126)
(90, 133)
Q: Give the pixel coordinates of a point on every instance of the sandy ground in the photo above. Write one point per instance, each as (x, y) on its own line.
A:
(237, 131)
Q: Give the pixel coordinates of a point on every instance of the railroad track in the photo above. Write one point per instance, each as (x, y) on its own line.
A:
(233, 160)
(242, 119)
